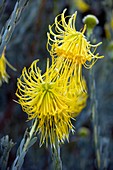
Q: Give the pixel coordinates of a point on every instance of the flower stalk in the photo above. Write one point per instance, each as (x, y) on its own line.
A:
(94, 116)
(31, 133)
(57, 163)
(91, 21)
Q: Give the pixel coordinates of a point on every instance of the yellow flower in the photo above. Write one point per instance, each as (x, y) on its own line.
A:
(3, 74)
(74, 89)
(107, 30)
(81, 5)
(78, 96)
(43, 97)
(108, 27)
(70, 45)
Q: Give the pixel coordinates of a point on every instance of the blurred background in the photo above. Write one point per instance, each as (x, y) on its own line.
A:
(28, 42)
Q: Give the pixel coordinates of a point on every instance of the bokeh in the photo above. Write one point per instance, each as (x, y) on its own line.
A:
(27, 43)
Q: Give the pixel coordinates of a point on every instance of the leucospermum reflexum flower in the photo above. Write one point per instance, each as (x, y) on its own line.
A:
(45, 98)
(78, 96)
(72, 87)
(3, 63)
(66, 43)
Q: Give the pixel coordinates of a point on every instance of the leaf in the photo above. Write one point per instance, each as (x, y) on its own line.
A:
(32, 142)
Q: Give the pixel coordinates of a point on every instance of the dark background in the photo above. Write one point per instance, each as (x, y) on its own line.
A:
(28, 42)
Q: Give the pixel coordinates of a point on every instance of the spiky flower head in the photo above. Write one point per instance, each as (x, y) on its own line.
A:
(79, 97)
(42, 96)
(3, 62)
(66, 43)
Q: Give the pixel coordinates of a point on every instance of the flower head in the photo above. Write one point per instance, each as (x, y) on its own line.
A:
(69, 43)
(66, 43)
(3, 74)
(77, 95)
(91, 21)
(43, 97)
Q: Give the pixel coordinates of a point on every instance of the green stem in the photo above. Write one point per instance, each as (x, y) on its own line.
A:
(94, 108)
(57, 163)
(30, 135)
(27, 141)
(95, 116)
